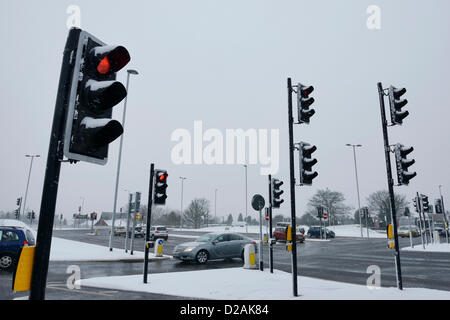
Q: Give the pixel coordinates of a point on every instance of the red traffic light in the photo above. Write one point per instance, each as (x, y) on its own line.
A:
(163, 176)
(110, 59)
(325, 215)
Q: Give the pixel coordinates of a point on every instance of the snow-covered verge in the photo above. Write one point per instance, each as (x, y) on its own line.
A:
(441, 247)
(245, 284)
(68, 250)
(351, 230)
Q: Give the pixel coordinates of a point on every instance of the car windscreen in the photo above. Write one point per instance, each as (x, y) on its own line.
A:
(161, 228)
(206, 238)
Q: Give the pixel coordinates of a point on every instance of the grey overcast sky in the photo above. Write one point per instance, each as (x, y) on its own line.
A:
(226, 63)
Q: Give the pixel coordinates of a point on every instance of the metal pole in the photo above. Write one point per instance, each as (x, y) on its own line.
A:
(445, 214)
(246, 200)
(261, 262)
(215, 205)
(51, 180)
(390, 185)
(357, 186)
(119, 161)
(181, 208)
(149, 219)
(28, 182)
(130, 199)
(292, 188)
(270, 226)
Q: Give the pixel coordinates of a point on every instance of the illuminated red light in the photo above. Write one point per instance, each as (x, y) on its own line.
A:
(104, 66)
(163, 176)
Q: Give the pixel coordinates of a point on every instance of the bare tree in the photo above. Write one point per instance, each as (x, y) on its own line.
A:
(379, 203)
(196, 212)
(333, 202)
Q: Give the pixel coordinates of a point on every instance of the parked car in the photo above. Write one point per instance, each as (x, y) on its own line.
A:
(280, 235)
(403, 231)
(12, 239)
(213, 246)
(315, 231)
(159, 232)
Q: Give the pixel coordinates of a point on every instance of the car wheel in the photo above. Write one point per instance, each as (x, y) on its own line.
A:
(202, 257)
(6, 261)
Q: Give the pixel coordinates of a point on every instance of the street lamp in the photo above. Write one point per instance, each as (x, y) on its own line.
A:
(129, 72)
(357, 188)
(28, 182)
(181, 209)
(246, 195)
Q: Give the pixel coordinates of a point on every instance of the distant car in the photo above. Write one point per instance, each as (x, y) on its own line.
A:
(12, 240)
(315, 231)
(213, 246)
(120, 231)
(439, 227)
(279, 234)
(139, 232)
(403, 231)
(157, 232)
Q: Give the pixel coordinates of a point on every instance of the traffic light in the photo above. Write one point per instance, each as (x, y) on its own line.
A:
(320, 212)
(16, 213)
(160, 187)
(425, 203)
(304, 101)
(306, 163)
(276, 193)
(396, 105)
(438, 206)
(93, 93)
(29, 215)
(416, 204)
(403, 164)
(19, 200)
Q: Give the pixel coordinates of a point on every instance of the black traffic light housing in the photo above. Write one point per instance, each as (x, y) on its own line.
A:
(160, 187)
(304, 101)
(306, 163)
(276, 193)
(396, 104)
(403, 175)
(425, 203)
(93, 93)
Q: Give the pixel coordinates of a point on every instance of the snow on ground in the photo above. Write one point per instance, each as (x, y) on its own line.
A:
(441, 247)
(245, 284)
(68, 250)
(351, 230)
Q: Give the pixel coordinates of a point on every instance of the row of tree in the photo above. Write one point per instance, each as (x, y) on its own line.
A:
(198, 214)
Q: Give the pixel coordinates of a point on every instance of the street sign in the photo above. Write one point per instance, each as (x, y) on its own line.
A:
(258, 202)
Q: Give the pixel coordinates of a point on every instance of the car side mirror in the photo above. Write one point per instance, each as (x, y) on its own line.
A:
(214, 242)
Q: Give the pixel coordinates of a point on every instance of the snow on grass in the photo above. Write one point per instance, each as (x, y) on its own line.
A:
(244, 284)
(440, 247)
(68, 250)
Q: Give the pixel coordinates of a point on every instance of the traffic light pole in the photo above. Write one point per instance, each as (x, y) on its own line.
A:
(51, 180)
(390, 185)
(292, 187)
(270, 226)
(149, 219)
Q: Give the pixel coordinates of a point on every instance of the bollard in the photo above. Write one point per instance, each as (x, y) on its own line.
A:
(437, 239)
(159, 248)
(249, 257)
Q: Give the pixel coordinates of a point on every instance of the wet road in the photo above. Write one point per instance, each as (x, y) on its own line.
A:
(341, 259)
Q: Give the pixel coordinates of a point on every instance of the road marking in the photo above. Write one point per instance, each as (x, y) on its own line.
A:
(62, 287)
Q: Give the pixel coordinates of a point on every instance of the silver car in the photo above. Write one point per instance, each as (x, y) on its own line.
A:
(213, 246)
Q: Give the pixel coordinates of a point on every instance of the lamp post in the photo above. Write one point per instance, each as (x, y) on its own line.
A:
(357, 186)
(28, 181)
(129, 72)
(246, 200)
(181, 208)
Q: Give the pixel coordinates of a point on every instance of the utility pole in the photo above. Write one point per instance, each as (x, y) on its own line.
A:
(357, 185)
(149, 219)
(28, 181)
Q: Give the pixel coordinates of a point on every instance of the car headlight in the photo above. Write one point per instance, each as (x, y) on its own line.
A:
(188, 249)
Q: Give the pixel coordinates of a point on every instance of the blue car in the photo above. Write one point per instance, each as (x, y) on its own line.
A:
(315, 232)
(12, 239)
